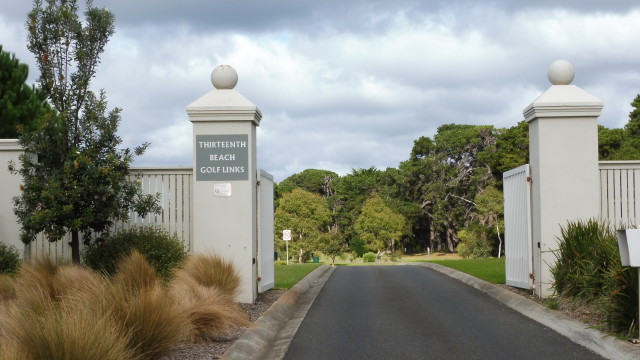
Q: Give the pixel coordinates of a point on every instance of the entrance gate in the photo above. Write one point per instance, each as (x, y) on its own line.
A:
(517, 224)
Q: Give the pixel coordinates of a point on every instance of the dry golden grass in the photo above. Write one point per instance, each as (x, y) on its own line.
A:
(137, 301)
(213, 314)
(213, 271)
(64, 332)
(7, 287)
(135, 272)
(71, 312)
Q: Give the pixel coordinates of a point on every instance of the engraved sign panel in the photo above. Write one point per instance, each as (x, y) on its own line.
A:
(222, 157)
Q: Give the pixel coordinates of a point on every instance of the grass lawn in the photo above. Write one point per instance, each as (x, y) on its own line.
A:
(490, 269)
(288, 275)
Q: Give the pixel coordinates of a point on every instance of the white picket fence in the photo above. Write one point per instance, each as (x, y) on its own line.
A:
(174, 187)
(619, 205)
(620, 187)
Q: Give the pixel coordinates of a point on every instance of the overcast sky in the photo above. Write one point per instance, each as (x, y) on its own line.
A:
(350, 84)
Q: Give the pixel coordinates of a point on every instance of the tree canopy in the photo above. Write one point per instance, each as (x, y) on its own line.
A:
(20, 104)
(448, 191)
(75, 175)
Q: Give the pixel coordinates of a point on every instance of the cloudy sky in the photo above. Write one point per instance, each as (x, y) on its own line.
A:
(350, 84)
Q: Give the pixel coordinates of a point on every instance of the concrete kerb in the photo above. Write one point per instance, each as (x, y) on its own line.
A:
(597, 341)
(259, 339)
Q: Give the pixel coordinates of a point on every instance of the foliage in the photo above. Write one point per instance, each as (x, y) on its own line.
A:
(163, 251)
(75, 176)
(378, 225)
(585, 252)
(588, 267)
(287, 276)
(307, 216)
(358, 246)
(369, 257)
(9, 259)
(332, 244)
(20, 104)
(312, 180)
(473, 243)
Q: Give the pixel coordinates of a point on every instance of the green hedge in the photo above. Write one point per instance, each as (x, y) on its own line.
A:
(163, 251)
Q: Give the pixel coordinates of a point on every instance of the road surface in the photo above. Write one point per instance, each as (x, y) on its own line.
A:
(413, 312)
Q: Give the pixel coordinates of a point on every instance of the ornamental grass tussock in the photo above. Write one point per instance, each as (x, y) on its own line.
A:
(50, 311)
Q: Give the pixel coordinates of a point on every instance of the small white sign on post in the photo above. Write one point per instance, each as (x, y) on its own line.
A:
(286, 236)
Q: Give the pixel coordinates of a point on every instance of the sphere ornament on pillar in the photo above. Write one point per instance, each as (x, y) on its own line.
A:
(224, 77)
(561, 72)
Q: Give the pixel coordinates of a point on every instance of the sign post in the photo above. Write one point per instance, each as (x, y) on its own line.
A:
(286, 236)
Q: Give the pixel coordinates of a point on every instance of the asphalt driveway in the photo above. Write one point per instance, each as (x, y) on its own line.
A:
(412, 312)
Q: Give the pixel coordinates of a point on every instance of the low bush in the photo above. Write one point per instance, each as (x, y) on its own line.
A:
(358, 246)
(473, 244)
(588, 267)
(369, 257)
(9, 259)
(163, 251)
(280, 262)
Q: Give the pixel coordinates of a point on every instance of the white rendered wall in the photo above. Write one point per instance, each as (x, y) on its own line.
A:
(10, 150)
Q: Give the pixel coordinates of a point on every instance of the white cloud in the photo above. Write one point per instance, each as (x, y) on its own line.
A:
(354, 89)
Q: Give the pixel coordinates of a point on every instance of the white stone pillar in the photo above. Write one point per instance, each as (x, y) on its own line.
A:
(224, 187)
(563, 151)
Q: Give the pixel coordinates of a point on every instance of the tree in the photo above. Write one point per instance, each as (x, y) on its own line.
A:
(20, 104)
(378, 225)
(332, 244)
(307, 216)
(312, 180)
(78, 180)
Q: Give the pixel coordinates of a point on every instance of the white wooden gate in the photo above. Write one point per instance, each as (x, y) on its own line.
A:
(517, 224)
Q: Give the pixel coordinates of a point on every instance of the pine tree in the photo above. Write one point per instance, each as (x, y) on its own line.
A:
(20, 104)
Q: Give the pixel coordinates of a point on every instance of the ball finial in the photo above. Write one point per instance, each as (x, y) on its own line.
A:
(561, 72)
(224, 77)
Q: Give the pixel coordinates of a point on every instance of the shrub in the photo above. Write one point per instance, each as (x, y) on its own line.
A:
(280, 262)
(163, 251)
(369, 257)
(213, 271)
(473, 244)
(9, 259)
(358, 246)
(586, 252)
(588, 267)
(396, 256)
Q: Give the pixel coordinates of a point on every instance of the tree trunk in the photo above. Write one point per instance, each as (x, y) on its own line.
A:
(75, 247)
(500, 244)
